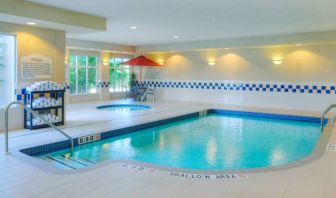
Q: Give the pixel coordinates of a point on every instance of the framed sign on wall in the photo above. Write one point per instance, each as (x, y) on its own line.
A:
(36, 66)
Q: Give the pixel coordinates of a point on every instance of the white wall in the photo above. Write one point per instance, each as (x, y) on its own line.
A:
(302, 65)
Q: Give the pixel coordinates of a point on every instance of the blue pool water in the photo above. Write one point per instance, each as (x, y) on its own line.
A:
(124, 107)
(213, 142)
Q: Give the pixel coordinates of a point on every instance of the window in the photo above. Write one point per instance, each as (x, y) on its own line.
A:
(119, 75)
(7, 68)
(83, 74)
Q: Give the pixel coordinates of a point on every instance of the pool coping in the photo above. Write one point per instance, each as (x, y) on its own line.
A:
(318, 152)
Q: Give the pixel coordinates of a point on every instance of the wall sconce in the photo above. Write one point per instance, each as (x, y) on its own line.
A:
(161, 62)
(66, 61)
(212, 63)
(277, 62)
(105, 63)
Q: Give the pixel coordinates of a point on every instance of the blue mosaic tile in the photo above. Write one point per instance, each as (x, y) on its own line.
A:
(256, 87)
(19, 97)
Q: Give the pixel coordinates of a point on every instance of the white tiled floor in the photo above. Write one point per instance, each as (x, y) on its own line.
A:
(21, 179)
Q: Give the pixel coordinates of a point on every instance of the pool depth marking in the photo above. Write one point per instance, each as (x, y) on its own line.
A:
(331, 147)
(139, 168)
(89, 138)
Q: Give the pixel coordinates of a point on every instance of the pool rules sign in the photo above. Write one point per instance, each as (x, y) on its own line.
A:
(36, 66)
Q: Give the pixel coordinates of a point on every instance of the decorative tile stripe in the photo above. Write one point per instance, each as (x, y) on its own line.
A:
(18, 97)
(102, 84)
(47, 148)
(310, 88)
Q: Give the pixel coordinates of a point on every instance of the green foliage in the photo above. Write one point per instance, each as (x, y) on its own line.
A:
(119, 75)
(72, 73)
(92, 78)
(83, 74)
(81, 60)
(133, 80)
(92, 61)
(72, 61)
(81, 80)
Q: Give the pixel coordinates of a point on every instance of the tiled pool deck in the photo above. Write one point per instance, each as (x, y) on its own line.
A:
(21, 179)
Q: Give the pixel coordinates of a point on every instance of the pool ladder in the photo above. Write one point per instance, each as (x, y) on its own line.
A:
(323, 120)
(36, 115)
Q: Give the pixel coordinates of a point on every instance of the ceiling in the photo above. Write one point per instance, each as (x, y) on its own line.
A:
(158, 21)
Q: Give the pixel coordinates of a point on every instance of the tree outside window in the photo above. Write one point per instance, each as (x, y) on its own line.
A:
(83, 74)
(119, 75)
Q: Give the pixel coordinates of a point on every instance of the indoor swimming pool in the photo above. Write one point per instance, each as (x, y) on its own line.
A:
(218, 140)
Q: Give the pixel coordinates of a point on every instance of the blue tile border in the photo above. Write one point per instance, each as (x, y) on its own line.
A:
(103, 84)
(19, 97)
(52, 147)
(279, 87)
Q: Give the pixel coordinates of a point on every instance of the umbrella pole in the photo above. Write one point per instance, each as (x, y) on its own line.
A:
(140, 73)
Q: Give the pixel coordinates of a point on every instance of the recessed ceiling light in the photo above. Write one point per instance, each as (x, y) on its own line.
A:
(175, 37)
(31, 23)
(133, 27)
(227, 48)
(298, 45)
(172, 51)
(277, 61)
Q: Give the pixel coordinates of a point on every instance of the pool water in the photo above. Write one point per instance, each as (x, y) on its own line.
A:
(213, 142)
(124, 107)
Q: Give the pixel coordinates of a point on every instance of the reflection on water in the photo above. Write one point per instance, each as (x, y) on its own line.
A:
(211, 150)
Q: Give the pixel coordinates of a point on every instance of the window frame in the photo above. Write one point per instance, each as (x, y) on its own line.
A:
(122, 69)
(87, 68)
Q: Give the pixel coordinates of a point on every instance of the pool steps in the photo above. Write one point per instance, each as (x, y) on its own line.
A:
(66, 162)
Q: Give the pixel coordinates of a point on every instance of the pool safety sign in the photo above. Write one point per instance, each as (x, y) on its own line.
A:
(36, 66)
(222, 176)
(88, 138)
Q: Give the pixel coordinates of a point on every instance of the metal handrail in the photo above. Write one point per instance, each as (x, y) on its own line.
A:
(36, 115)
(325, 113)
